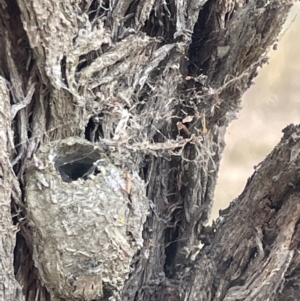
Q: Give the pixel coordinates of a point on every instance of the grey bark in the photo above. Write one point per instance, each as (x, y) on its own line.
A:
(9, 189)
(161, 80)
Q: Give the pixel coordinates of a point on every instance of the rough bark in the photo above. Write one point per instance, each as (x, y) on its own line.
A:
(254, 254)
(160, 81)
(9, 189)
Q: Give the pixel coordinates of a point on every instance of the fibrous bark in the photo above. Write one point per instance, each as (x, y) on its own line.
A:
(254, 253)
(9, 189)
(159, 81)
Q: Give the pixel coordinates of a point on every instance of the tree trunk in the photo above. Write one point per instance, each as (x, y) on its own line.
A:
(155, 83)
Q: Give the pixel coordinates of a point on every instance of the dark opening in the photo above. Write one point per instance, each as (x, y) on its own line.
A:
(77, 163)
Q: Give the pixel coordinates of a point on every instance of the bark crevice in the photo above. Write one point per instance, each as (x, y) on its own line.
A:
(159, 82)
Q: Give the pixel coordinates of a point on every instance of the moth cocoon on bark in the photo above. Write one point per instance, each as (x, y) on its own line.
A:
(86, 231)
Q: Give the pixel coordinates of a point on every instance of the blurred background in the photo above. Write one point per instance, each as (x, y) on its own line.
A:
(267, 107)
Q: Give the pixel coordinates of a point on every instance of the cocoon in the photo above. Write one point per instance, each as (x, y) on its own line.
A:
(87, 215)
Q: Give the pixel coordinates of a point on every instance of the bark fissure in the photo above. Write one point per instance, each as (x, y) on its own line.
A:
(159, 82)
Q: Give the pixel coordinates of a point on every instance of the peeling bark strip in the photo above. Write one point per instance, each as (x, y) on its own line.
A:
(157, 83)
(9, 288)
